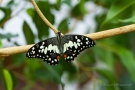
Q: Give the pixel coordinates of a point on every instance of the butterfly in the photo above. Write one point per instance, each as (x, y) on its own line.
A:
(68, 46)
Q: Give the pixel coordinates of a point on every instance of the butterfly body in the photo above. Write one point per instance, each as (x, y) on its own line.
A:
(68, 46)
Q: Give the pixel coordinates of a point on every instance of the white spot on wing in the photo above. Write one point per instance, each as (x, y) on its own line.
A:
(92, 42)
(53, 48)
(33, 48)
(78, 44)
(75, 45)
(45, 51)
(86, 38)
(50, 47)
(28, 53)
(55, 60)
(49, 59)
(42, 50)
(67, 57)
(78, 40)
(76, 37)
(70, 44)
(71, 57)
(56, 49)
(43, 43)
(64, 48)
(33, 52)
(81, 43)
(41, 47)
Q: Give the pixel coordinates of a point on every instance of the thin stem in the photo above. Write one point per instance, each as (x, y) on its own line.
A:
(43, 17)
(95, 36)
(0, 1)
(112, 32)
(14, 50)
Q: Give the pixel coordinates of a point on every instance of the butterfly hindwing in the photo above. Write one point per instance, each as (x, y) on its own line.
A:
(46, 50)
(74, 44)
(68, 45)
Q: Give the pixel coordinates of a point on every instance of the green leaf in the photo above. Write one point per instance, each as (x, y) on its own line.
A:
(132, 20)
(7, 12)
(70, 68)
(18, 59)
(58, 2)
(128, 82)
(107, 57)
(8, 79)
(8, 35)
(0, 43)
(107, 74)
(29, 36)
(55, 71)
(31, 68)
(63, 23)
(79, 10)
(82, 6)
(35, 64)
(87, 58)
(127, 59)
(108, 78)
(116, 8)
(133, 9)
(30, 11)
(10, 4)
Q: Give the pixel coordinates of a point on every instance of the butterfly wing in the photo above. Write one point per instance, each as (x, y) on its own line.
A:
(46, 50)
(74, 44)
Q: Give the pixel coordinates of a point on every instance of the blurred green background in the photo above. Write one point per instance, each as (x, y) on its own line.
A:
(110, 65)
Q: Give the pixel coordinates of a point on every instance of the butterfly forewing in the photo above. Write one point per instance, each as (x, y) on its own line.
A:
(74, 44)
(68, 45)
(46, 50)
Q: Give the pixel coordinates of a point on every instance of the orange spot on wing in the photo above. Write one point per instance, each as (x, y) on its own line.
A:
(65, 55)
(58, 57)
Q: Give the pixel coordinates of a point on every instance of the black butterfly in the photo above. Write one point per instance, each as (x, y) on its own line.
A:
(51, 49)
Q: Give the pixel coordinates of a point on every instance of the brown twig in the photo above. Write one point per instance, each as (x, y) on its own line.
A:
(43, 17)
(0, 1)
(14, 50)
(95, 36)
(112, 32)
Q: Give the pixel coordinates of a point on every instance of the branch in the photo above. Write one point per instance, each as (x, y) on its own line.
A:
(14, 50)
(95, 36)
(112, 32)
(43, 17)
(0, 1)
